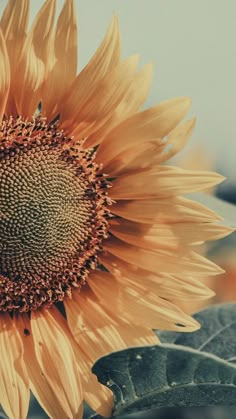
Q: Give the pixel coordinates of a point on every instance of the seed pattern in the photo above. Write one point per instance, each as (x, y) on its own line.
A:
(53, 214)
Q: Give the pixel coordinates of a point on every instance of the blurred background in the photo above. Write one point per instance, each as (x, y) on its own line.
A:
(193, 47)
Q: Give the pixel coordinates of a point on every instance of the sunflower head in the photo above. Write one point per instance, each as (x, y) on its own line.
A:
(89, 216)
(54, 210)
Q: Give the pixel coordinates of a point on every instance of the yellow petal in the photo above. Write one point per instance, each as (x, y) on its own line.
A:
(104, 60)
(162, 181)
(14, 19)
(34, 61)
(162, 261)
(14, 381)
(41, 387)
(100, 104)
(171, 287)
(134, 98)
(152, 152)
(150, 124)
(170, 210)
(84, 317)
(166, 235)
(97, 333)
(137, 92)
(186, 289)
(88, 318)
(98, 397)
(4, 75)
(64, 68)
(138, 305)
(176, 140)
(119, 268)
(135, 158)
(14, 23)
(56, 359)
(92, 327)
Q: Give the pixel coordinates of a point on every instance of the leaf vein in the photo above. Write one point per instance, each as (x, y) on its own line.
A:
(215, 334)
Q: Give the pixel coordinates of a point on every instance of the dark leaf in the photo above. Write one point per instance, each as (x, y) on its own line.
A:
(216, 336)
(166, 375)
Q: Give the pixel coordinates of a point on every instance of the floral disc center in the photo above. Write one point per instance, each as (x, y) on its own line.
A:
(53, 214)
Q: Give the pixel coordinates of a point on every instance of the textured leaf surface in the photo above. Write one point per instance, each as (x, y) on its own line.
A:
(188, 369)
(216, 336)
(166, 375)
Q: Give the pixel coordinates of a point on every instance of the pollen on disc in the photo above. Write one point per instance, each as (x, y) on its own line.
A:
(53, 214)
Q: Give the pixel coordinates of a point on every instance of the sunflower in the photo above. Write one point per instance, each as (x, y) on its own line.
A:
(96, 245)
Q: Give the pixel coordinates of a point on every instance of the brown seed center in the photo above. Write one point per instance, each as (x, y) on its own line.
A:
(53, 210)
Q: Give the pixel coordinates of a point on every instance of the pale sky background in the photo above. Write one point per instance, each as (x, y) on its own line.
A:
(193, 46)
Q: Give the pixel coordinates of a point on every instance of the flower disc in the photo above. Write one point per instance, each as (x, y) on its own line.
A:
(53, 209)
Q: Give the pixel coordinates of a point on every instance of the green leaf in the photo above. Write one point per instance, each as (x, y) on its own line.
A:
(216, 336)
(188, 369)
(166, 375)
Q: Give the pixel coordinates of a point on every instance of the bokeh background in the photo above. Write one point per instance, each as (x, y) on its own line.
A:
(192, 44)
